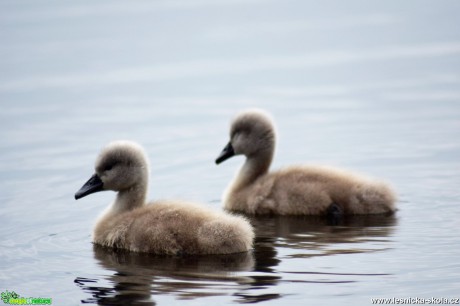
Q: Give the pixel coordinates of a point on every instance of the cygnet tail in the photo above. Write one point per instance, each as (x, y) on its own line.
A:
(228, 236)
(373, 198)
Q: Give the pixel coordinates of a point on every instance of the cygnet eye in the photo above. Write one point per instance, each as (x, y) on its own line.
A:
(108, 167)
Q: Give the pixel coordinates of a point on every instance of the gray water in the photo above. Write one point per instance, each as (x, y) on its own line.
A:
(372, 86)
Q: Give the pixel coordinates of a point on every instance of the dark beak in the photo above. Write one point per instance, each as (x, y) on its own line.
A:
(226, 153)
(94, 184)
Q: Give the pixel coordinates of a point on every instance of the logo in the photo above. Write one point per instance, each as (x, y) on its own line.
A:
(12, 298)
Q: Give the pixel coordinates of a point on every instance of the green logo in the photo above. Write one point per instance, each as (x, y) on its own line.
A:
(12, 298)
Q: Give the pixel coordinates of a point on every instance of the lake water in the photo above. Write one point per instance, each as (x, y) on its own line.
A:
(364, 85)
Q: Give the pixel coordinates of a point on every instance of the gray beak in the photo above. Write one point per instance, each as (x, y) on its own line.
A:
(94, 184)
(226, 153)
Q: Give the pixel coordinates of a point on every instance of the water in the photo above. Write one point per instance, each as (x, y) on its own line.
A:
(362, 85)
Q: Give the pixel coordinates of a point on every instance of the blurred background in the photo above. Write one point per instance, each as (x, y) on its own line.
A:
(371, 86)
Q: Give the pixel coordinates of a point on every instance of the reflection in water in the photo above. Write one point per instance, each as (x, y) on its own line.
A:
(306, 237)
(312, 236)
(138, 277)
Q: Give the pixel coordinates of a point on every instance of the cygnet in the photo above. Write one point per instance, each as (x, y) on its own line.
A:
(160, 227)
(295, 190)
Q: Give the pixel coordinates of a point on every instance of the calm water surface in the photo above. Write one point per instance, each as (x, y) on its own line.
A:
(373, 87)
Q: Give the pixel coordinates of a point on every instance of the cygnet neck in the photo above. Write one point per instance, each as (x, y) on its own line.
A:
(130, 198)
(254, 167)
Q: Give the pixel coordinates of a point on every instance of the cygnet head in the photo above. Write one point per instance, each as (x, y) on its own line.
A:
(252, 134)
(120, 166)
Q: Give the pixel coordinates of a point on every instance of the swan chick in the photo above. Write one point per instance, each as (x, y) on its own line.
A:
(295, 190)
(160, 227)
